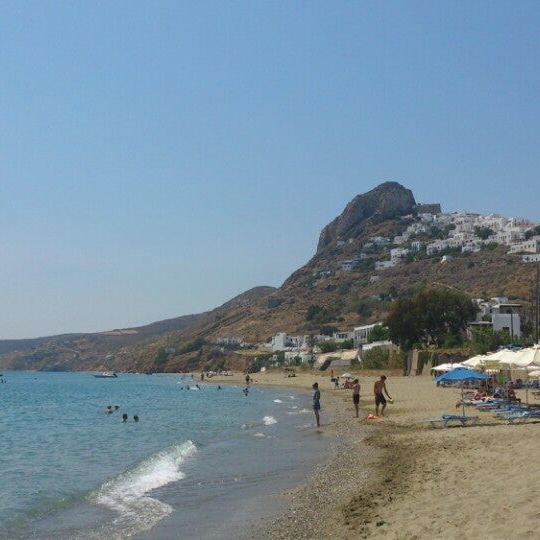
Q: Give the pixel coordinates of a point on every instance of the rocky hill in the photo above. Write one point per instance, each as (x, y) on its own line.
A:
(386, 201)
(349, 281)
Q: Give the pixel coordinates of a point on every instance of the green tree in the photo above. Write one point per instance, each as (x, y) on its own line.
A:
(429, 317)
(161, 358)
(379, 333)
(483, 232)
(319, 314)
(328, 346)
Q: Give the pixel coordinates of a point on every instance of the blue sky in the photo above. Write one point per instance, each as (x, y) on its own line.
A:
(157, 158)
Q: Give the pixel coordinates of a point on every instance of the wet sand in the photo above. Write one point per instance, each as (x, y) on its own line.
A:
(398, 478)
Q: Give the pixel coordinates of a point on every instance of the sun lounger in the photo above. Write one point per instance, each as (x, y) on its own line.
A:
(523, 416)
(495, 404)
(510, 410)
(446, 419)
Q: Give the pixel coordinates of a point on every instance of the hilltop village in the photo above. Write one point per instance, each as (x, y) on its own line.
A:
(427, 233)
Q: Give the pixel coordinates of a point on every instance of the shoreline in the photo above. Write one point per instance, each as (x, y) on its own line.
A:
(396, 477)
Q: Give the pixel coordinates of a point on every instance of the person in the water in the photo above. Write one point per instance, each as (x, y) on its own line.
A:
(136, 418)
(246, 391)
(317, 403)
(124, 418)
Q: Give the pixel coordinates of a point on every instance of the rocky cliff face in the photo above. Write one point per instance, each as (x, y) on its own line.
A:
(386, 201)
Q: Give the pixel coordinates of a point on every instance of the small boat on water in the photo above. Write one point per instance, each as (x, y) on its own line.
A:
(106, 375)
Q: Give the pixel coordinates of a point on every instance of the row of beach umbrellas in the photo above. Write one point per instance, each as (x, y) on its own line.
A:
(528, 359)
(525, 359)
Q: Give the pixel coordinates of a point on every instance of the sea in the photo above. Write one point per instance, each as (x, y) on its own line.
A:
(203, 462)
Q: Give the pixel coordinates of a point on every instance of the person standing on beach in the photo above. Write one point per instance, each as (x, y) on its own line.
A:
(317, 403)
(356, 395)
(379, 389)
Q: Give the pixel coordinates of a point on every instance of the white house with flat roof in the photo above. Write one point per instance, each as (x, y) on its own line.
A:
(361, 334)
(382, 265)
(282, 342)
(340, 337)
(527, 246)
(499, 314)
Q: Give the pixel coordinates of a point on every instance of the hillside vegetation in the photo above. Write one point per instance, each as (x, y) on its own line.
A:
(319, 294)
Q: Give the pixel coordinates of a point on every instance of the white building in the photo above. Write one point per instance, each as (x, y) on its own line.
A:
(347, 266)
(361, 334)
(340, 337)
(229, 340)
(291, 356)
(528, 246)
(382, 265)
(398, 253)
(282, 342)
(499, 314)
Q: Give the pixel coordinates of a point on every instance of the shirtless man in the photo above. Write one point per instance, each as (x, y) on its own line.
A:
(379, 389)
(356, 395)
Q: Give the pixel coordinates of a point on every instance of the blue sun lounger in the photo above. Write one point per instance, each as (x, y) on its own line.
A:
(522, 416)
(446, 419)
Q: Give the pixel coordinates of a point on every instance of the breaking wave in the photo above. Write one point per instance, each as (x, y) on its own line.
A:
(127, 494)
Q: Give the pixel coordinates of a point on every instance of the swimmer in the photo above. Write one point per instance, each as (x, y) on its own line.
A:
(219, 387)
(135, 418)
(246, 391)
(198, 387)
(116, 407)
(187, 387)
(124, 418)
(109, 409)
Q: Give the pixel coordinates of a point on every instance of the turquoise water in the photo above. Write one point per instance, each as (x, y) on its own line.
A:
(68, 470)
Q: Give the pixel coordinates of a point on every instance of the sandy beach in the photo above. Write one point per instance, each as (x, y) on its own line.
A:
(398, 478)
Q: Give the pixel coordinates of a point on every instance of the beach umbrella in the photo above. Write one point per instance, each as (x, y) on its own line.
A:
(461, 374)
(527, 357)
(534, 374)
(477, 361)
(502, 356)
(524, 359)
(445, 367)
(347, 376)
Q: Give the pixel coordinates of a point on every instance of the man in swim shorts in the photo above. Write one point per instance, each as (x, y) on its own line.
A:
(379, 389)
(356, 395)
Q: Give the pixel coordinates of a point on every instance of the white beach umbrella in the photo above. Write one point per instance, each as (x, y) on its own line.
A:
(534, 374)
(475, 361)
(346, 376)
(445, 367)
(523, 360)
(527, 357)
(503, 356)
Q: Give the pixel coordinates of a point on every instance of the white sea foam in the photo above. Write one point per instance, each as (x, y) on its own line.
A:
(127, 494)
(278, 401)
(301, 411)
(269, 420)
(259, 435)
